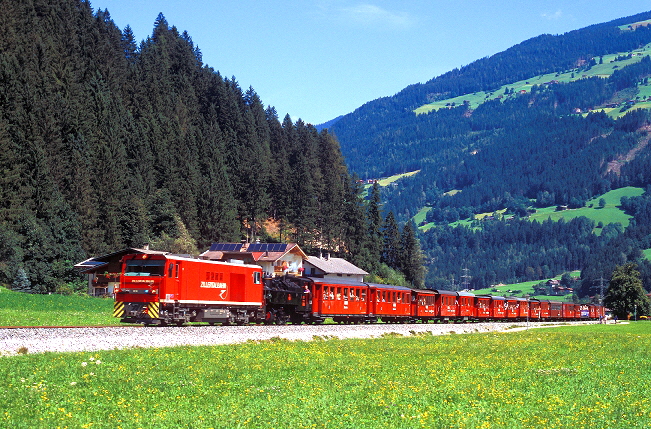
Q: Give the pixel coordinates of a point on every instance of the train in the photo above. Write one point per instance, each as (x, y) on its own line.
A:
(165, 289)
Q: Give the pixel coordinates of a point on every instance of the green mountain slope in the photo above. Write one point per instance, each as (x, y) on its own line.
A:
(552, 121)
(603, 67)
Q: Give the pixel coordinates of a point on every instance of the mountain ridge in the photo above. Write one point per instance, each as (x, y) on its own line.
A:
(549, 145)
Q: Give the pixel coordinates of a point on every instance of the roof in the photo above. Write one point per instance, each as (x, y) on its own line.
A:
(89, 263)
(92, 264)
(267, 252)
(128, 250)
(335, 266)
(383, 286)
(445, 292)
(337, 281)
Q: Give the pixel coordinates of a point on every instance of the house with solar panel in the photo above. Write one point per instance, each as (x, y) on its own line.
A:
(276, 259)
(332, 268)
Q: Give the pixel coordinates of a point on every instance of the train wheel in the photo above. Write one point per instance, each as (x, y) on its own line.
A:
(269, 318)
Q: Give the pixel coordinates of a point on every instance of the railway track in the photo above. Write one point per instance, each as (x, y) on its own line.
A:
(16, 340)
(70, 327)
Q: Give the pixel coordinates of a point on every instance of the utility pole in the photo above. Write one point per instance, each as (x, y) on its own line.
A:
(453, 285)
(466, 279)
(601, 290)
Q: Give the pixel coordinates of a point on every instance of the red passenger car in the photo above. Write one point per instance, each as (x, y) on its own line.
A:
(523, 308)
(568, 311)
(390, 303)
(512, 308)
(344, 301)
(545, 310)
(466, 306)
(483, 307)
(595, 311)
(498, 308)
(424, 305)
(446, 305)
(534, 309)
(555, 310)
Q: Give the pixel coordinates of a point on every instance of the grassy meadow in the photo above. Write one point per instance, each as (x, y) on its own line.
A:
(647, 254)
(525, 288)
(23, 309)
(610, 64)
(592, 376)
(610, 213)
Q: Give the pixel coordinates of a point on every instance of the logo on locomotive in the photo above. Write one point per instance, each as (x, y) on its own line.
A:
(213, 285)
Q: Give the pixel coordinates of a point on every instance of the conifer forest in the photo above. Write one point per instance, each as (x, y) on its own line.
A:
(108, 142)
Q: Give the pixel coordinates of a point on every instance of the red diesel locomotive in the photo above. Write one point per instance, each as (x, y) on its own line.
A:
(164, 289)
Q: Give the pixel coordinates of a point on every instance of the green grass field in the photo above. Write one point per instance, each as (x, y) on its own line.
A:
(610, 213)
(647, 254)
(386, 181)
(601, 70)
(567, 377)
(22, 309)
(526, 288)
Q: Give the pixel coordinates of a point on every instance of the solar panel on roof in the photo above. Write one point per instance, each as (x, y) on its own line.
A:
(226, 247)
(267, 247)
(253, 247)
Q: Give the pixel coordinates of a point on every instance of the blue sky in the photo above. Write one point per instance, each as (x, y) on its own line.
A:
(318, 59)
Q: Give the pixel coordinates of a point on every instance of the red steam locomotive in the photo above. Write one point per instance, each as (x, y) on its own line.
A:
(165, 289)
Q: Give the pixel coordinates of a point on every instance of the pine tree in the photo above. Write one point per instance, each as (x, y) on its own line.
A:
(332, 194)
(21, 282)
(374, 219)
(356, 233)
(411, 257)
(391, 242)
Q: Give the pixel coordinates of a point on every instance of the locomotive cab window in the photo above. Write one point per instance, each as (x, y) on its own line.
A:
(170, 270)
(257, 278)
(144, 267)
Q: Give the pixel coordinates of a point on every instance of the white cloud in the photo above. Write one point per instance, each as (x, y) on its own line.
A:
(375, 16)
(556, 15)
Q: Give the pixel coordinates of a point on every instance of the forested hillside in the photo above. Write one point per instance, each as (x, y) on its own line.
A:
(108, 143)
(551, 144)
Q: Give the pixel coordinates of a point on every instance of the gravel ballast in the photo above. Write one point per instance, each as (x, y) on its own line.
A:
(39, 340)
